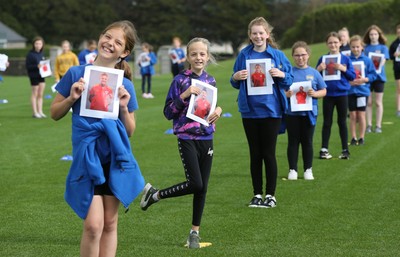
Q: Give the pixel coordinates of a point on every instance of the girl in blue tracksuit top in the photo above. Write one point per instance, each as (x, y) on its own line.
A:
(301, 124)
(262, 113)
(360, 89)
(146, 62)
(109, 175)
(336, 96)
(375, 42)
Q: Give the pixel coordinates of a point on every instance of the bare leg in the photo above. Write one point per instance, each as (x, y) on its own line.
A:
(369, 109)
(108, 241)
(93, 228)
(353, 124)
(379, 109)
(361, 123)
(40, 97)
(34, 94)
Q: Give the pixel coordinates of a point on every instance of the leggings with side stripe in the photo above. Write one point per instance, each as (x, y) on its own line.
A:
(196, 158)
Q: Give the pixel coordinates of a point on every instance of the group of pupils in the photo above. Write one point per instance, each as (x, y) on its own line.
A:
(97, 182)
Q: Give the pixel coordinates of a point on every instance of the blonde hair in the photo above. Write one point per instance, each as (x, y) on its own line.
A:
(260, 21)
(211, 58)
(356, 38)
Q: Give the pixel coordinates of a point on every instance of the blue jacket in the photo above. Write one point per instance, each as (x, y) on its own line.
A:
(370, 73)
(379, 49)
(125, 181)
(149, 70)
(342, 86)
(263, 106)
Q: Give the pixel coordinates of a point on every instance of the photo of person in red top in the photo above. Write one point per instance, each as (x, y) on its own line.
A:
(202, 105)
(101, 95)
(301, 96)
(258, 77)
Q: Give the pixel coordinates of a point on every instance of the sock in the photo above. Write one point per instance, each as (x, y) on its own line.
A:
(197, 232)
(258, 196)
(324, 150)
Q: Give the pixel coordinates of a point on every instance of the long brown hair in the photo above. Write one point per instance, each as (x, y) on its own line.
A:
(382, 39)
(130, 40)
(37, 38)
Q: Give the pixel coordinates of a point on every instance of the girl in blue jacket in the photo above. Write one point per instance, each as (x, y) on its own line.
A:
(375, 42)
(262, 113)
(359, 90)
(109, 175)
(301, 124)
(146, 62)
(336, 96)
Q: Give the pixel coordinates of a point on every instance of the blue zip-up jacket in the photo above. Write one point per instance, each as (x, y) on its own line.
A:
(370, 73)
(125, 181)
(317, 83)
(150, 68)
(263, 106)
(342, 86)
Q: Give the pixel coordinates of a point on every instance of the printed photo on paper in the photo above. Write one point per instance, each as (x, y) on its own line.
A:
(202, 105)
(3, 62)
(90, 57)
(300, 100)
(100, 97)
(359, 69)
(378, 60)
(144, 60)
(173, 55)
(259, 81)
(331, 73)
(45, 68)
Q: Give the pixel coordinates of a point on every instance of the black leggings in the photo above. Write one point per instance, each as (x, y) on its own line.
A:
(328, 104)
(148, 78)
(300, 131)
(262, 136)
(197, 158)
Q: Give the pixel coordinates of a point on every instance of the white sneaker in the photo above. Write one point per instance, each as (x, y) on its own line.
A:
(292, 175)
(308, 174)
(150, 95)
(144, 95)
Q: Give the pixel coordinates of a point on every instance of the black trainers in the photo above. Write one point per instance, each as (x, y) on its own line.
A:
(147, 197)
(353, 141)
(270, 202)
(361, 141)
(193, 240)
(325, 155)
(256, 202)
(345, 155)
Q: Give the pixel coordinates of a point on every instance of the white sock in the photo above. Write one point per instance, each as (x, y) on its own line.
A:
(258, 196)
(197, 232)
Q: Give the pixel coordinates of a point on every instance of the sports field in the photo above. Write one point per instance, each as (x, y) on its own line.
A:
(350, 209)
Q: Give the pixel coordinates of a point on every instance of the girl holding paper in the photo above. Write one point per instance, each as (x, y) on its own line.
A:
(360, 89)
(38, 85)
(336, 96)
(375, 42)
(262, 112)
(301, 124)
(394, 52)
(195, 140)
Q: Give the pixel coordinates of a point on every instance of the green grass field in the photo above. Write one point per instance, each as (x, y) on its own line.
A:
(350, 209)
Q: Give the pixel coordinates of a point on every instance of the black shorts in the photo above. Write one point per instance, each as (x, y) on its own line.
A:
(104, 189)
(396, 74)
(357, 103)
(377, 86)
(36, 81)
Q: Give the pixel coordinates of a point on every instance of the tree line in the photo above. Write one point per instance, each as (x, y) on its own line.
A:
(157, 20)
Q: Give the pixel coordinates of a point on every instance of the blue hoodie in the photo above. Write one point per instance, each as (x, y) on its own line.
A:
(263, 106)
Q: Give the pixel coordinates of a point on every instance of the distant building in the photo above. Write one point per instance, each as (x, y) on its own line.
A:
(10, 39)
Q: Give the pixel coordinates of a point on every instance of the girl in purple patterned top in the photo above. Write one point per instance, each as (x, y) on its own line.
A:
(195, 141)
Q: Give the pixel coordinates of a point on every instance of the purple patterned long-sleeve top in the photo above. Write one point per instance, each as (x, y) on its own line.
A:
(175, 108)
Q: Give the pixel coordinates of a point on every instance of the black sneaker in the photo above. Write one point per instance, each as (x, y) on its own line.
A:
(256, 202)
(353, 141)
(325, 155)
(270, 202)
(147, 197)
(345, 155)
(361, 141)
